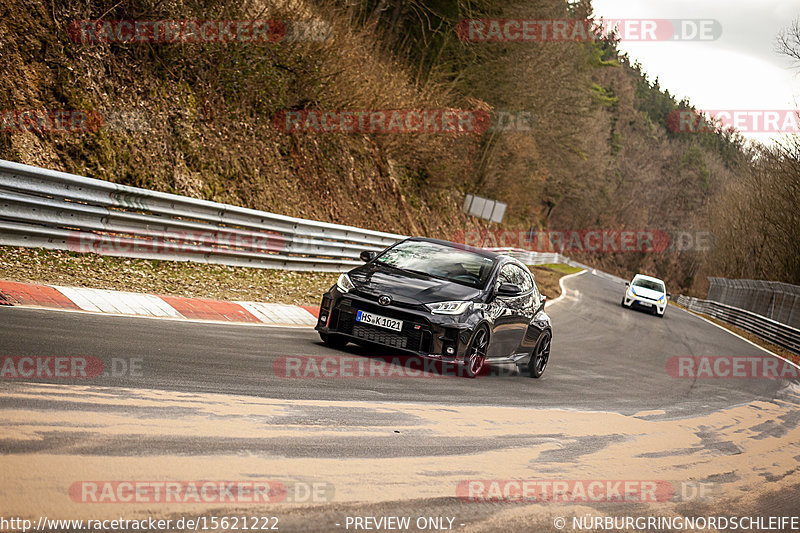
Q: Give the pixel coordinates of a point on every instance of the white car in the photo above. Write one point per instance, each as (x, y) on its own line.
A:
(646, 293)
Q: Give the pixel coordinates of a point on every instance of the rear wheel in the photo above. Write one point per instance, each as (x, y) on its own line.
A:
(540, 357)
(333, 341)
(476, 353)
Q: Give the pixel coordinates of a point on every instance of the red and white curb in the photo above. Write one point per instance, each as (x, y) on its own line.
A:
(151, 305)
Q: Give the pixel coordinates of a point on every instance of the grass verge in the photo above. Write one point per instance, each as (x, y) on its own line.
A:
(548, 276)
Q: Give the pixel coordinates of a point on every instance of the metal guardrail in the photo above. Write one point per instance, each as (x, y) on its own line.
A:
(540, 258)
(773, 299)
(761, 326)
(50, 209)
(531, 258)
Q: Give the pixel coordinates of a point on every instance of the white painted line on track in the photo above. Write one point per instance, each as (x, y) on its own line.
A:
(773, 354)
(563, 288)
(148, 317)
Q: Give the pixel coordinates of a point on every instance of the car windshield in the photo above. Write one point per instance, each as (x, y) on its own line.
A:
(649, 284)
(440, 261)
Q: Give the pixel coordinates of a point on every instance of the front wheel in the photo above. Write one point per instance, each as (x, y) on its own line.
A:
(333, 340)
(540, 357)
(476, 353)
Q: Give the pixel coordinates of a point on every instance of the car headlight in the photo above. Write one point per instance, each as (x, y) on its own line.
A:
(448, 308)
(633, 291)
(344, 284)
(661, 299)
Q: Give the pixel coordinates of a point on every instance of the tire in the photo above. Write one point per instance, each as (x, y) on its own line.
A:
(622, 303)
(662, 314)
(540, 356)
(476, 353)
(333, 341)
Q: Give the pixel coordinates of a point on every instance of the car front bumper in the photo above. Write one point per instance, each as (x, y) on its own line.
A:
(440, 337)
(646, 304)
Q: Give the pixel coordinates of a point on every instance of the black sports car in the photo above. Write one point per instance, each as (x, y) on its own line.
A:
(443, 301)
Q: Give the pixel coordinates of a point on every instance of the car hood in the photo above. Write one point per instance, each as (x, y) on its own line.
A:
(647, 293)
(374, 280)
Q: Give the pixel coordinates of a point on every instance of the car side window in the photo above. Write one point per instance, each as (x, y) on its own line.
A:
(513, 274)
(527, 282)
(537, 297)
(506, 275)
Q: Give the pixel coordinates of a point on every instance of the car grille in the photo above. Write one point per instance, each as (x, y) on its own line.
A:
(415, 336)
(387, 338)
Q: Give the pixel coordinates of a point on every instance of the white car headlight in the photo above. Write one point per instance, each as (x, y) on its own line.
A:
(661, 298)
(448, 308)
(344, 284)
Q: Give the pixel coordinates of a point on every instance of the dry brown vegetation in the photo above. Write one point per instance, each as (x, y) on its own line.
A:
(598, 153)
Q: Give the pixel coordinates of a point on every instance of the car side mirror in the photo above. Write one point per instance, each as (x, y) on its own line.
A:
(544, 300)
(627, 283)
(669, 295)
(509, 289)
(368, 256)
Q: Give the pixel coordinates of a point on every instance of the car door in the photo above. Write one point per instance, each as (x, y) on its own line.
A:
(538, 320)
(512, 313)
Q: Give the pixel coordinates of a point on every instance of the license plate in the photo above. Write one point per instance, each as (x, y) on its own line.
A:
(646, 304)
(380, 321)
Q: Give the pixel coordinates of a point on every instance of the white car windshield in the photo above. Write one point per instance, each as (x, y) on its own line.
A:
(649, 284)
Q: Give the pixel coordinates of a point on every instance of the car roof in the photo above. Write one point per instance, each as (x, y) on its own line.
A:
(479, 251)
(651, 278)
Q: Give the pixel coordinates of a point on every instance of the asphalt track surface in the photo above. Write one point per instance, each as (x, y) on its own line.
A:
(605, 360)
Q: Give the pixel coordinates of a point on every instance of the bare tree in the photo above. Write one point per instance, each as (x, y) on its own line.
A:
(788, 42)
